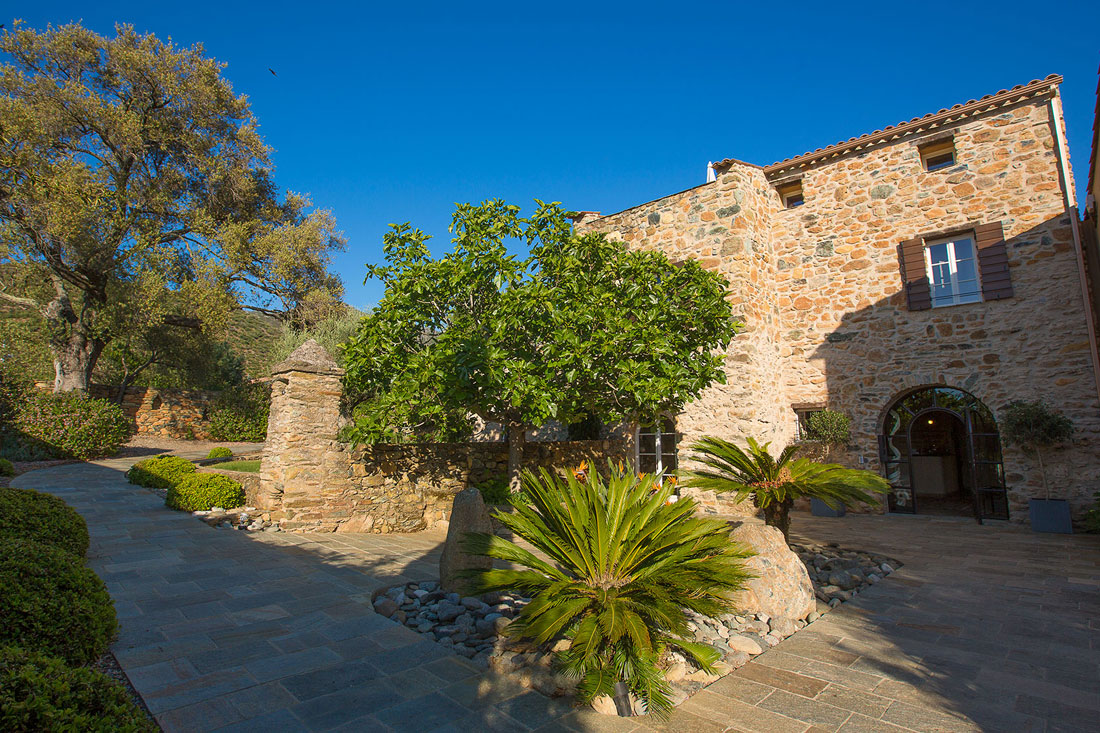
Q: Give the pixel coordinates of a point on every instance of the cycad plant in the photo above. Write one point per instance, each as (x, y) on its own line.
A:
(774, 483)
(621, 566)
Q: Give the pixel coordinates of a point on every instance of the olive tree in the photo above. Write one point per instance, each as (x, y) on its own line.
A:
(582, 326)
(1033, 426)
(136, 194)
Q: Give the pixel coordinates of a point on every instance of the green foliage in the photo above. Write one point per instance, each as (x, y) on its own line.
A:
(202, 491)
(497, 491)
(42, 693)
(1033, 426)
(331, 333)
(582, 326)
(220, 452)
(136, 195)
(47, 426)
(623, 565)
(43, 518)
(246, 466)
(829, 427)
(53, 604)
(1092, 516)
(774, 483)
(6, 467)
(160, 472)
(240, 414)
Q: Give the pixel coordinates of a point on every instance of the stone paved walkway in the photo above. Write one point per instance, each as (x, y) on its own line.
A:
(985, 628)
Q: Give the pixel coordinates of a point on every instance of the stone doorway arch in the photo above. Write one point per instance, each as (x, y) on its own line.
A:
(940, 450)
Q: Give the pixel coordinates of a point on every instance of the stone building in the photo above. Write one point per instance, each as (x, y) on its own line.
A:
(917, 278)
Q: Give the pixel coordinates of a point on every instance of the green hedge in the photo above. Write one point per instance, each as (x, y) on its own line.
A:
(6, 469)
(203, 491)
(52, 603)
(41, 693)
(32, 515)
(160, 472)
(47, 426)
(220, 452)
(240, 414)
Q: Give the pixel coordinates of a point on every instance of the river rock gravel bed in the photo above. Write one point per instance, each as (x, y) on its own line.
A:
(473, 626)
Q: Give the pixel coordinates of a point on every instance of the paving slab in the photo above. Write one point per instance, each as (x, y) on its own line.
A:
(984, 628)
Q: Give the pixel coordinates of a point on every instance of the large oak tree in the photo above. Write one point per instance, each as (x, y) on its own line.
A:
(136, 195)
(583, 326)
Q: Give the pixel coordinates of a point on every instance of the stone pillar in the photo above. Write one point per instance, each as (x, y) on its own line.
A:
(301, 435)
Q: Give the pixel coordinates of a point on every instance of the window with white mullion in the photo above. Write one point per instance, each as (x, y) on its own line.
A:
(952, 269)
(655, 447)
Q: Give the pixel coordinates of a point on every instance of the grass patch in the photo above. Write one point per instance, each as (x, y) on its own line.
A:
(249, 466)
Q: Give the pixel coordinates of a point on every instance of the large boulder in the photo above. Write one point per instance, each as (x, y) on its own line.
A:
(468, 514)
(782, 587)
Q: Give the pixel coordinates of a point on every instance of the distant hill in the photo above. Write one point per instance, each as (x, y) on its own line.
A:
(251, 336)
(24, 352)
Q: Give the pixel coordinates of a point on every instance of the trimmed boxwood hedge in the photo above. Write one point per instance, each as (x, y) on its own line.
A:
(69, 425)
(202, 491)
(220, 452)
(41, 693)
(51, 603)
(159, 472)
(32, 515)
(6, 468)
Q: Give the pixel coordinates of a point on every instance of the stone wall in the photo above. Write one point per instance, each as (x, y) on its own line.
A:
(820, 288)
(164, 413)
(311, 481)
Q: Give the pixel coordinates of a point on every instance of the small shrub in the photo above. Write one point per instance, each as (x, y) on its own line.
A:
(829, 427)
(52, 603)
(220, 452)
(240, 414)
(202, 491)
(42, 693)
(6, 468)
(47, 426)
(159, 472)
(32, 515)
(497, 491)
(1092, 516)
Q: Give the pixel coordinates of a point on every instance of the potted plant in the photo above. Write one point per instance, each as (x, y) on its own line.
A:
(831, 429)
(1033, 426)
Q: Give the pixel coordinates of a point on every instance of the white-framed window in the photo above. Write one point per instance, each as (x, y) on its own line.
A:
(655, 447)
(952, 269)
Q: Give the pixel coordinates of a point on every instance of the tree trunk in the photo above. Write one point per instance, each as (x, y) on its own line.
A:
(74, 359)
(517, 436)
(1042, 472)
(778, 515)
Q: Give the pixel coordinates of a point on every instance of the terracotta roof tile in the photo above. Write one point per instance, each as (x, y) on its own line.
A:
(917, 124)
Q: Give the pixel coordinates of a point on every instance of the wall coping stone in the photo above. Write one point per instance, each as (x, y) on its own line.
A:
(311, 358)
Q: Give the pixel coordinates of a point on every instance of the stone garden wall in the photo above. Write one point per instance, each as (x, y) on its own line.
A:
(163, 413)
(820, 288)
(309, 480)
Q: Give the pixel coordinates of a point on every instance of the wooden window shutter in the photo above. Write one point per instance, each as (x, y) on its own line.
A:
(989, 240)
(918, 293)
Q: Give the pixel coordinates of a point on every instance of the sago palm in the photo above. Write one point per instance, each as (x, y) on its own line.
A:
(622, 565)
(774, 483)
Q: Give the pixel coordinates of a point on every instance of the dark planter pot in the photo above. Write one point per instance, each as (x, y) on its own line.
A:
(820, 509)
(1050, 515)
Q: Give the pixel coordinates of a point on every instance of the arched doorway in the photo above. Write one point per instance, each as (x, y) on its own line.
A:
(941, 453)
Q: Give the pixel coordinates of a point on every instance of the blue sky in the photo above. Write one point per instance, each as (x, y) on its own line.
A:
(393, 112)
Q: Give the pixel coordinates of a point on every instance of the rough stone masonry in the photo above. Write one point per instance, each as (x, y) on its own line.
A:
(820, 288)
